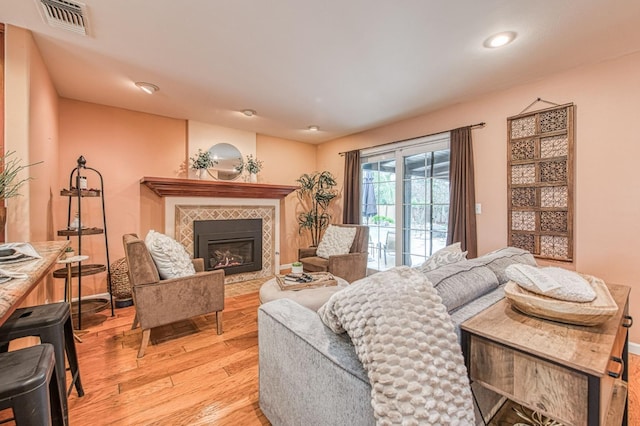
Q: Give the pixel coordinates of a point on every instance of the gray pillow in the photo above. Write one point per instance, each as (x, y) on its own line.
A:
(498, 261)
(462, 282)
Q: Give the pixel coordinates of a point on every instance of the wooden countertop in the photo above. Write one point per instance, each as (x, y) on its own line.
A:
(14, 291)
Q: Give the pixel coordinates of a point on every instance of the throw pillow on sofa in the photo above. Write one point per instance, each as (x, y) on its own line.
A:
(337, 240)
(499, 260)
(445, 256)
(170, 257)
(461, 282)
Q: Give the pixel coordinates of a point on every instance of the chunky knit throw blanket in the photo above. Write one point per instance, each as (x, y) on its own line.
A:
(406, 342)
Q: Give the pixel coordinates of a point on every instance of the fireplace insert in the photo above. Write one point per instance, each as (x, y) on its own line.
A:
(234, 245)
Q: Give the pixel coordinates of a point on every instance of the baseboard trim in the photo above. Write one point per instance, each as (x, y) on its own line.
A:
(634, 348)
(286, 266)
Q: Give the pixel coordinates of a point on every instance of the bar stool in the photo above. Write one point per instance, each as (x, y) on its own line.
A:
(52, 323)
(27, 386)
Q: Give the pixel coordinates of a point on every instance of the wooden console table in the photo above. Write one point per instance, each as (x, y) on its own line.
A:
(566, 372)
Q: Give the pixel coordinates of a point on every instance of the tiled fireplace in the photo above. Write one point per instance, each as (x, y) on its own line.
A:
(188, 200)
(181, 212)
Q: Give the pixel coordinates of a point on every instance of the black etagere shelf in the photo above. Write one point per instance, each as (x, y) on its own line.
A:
(78, 190)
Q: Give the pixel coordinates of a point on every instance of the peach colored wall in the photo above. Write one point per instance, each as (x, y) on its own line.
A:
(123, 146)
(43, 146)
(32, 132)
(19, 44)
(607, 206)
(284, 161)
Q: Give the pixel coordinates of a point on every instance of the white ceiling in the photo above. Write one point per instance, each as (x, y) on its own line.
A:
(344, 65)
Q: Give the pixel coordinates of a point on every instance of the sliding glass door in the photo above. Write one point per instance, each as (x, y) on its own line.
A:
(405, 201)
(425, 204)
(379, 210)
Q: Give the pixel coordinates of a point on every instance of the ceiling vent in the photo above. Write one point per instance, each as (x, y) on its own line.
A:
(65, 14)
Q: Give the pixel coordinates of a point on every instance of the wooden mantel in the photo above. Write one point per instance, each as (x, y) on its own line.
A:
(173, 187)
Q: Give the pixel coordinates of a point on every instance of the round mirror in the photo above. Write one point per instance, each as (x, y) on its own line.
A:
(227, 160)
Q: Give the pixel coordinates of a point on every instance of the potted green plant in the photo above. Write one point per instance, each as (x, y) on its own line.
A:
(10, 183)
(68, 252)
(296, 268)
(315, 193)
(253, 166)
(201, 162)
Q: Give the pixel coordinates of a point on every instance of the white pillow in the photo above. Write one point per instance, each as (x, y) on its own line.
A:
(444, 256)
(554, 282)
(170, 257)
(336, 240)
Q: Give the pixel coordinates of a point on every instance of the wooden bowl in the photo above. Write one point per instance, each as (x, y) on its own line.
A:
(591, 313)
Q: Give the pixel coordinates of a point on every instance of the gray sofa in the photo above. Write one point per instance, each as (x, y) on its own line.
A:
(310, 375)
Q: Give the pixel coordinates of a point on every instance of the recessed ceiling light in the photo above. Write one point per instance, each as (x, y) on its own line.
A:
(147, 87)
(500, 39)
(249, 112)
(313, 128)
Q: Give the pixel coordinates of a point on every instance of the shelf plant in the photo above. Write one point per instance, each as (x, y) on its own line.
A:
(315, 193)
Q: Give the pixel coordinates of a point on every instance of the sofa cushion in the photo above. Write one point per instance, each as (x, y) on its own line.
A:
(445, 256)
(461, 282)
(315, 264)
(170, 257)
(336, 240)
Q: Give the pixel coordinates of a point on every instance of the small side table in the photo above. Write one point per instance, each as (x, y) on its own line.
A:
(69, 261)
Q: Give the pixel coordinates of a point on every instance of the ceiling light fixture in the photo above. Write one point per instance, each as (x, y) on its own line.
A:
(249, 112)
(147, 87)
(500, 39)
(313, 128)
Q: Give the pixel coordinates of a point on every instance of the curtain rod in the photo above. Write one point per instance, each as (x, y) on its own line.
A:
(473, 126)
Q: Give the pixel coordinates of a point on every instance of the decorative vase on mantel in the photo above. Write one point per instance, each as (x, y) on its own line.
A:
(253, 177)
(200, 173)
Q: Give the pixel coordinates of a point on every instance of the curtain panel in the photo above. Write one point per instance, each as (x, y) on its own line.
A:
(462, 200)
(351, 192)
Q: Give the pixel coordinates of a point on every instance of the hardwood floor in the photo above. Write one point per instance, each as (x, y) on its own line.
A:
(189, 375)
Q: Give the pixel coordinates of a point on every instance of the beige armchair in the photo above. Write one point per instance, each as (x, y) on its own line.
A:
(160, 302)
(351, 267)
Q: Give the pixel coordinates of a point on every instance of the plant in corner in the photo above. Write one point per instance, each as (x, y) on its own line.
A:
(10, 184)
(315, 193)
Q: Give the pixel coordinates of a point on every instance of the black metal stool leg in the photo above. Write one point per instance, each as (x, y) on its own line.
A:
(72, 357)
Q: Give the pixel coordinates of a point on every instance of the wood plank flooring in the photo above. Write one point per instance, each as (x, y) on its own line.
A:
(189, 375)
